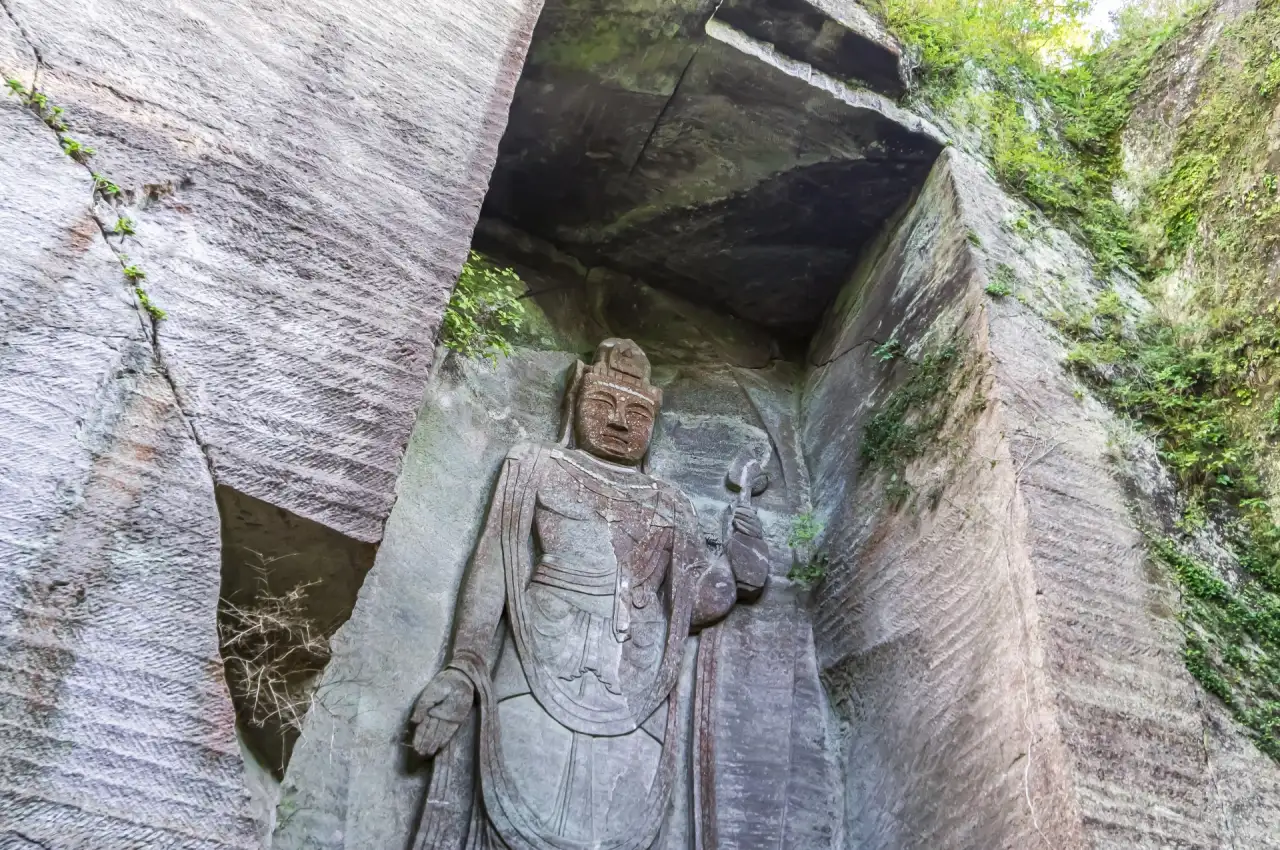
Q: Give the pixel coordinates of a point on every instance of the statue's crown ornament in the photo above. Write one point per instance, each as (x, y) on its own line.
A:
(623, 361)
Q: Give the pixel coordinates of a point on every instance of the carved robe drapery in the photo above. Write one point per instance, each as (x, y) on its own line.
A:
(584, 587)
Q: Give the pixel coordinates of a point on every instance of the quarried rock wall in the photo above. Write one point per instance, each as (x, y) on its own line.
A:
(302, 181)
(926, 626)
(1008, 659)
(352, 782)
(115, 727)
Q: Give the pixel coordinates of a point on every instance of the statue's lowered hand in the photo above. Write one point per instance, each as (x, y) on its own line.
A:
(441, 707)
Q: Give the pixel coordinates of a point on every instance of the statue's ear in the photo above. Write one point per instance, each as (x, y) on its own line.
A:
(574, 384)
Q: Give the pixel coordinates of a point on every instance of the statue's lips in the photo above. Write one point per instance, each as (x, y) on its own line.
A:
(613, 439)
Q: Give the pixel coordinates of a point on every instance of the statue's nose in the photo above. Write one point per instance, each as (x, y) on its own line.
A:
(618, 421)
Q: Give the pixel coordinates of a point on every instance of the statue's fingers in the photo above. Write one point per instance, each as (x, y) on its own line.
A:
(419, 740)
(438, 733)
(420, 709)
(452, 710)
(423, 738)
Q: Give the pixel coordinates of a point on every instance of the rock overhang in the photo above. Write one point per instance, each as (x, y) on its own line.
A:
(669, 142)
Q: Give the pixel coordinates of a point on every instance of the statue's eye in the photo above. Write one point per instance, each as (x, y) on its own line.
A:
(596, 398)
(640, 412)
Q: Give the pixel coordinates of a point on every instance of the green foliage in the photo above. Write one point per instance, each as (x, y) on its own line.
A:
(1204, 378)
(104, 187)
(950, 35)
(135, 276)
(1190, 384)
(1001, 283)
(1219, 200)
(805, 529)
(1233, 641)
(484, 311)
(808, 573)
(76, 150)
(53, 116)
(903, 426)
(38, 103)
(1050, 102)
(148, 305)
(809, 566)
(888, 350)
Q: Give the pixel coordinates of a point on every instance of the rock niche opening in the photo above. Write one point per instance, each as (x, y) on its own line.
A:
(288, 584)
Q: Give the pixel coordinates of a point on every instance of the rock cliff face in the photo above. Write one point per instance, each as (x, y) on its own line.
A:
(301, 211)
(301, 206)
(991, 610)
(117, 729)
(991, 659)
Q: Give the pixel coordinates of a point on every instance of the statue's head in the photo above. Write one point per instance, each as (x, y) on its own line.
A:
(615, 406)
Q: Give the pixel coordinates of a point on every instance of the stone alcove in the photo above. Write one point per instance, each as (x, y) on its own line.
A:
(666, 176)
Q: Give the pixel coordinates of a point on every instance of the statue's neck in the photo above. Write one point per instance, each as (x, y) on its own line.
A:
(608, 464)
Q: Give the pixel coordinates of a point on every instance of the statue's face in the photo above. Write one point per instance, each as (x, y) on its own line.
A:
(613, 421)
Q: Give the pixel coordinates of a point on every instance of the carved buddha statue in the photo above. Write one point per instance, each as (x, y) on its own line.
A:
(556, 723)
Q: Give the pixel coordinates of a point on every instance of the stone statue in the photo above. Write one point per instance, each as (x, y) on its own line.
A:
(571, 628)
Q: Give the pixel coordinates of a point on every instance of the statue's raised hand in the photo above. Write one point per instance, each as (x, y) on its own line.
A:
(441, 707)
(746, 521)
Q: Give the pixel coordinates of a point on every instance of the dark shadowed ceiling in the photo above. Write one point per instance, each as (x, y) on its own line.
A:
(741, 159)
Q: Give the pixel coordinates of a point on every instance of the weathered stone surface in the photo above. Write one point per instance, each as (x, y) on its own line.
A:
(705, 161)
(770, 748)
(116, 727)
(304, 180)
(350, 782)
(1009, 663)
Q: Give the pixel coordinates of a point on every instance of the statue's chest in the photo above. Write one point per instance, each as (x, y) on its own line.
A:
(593, 527)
